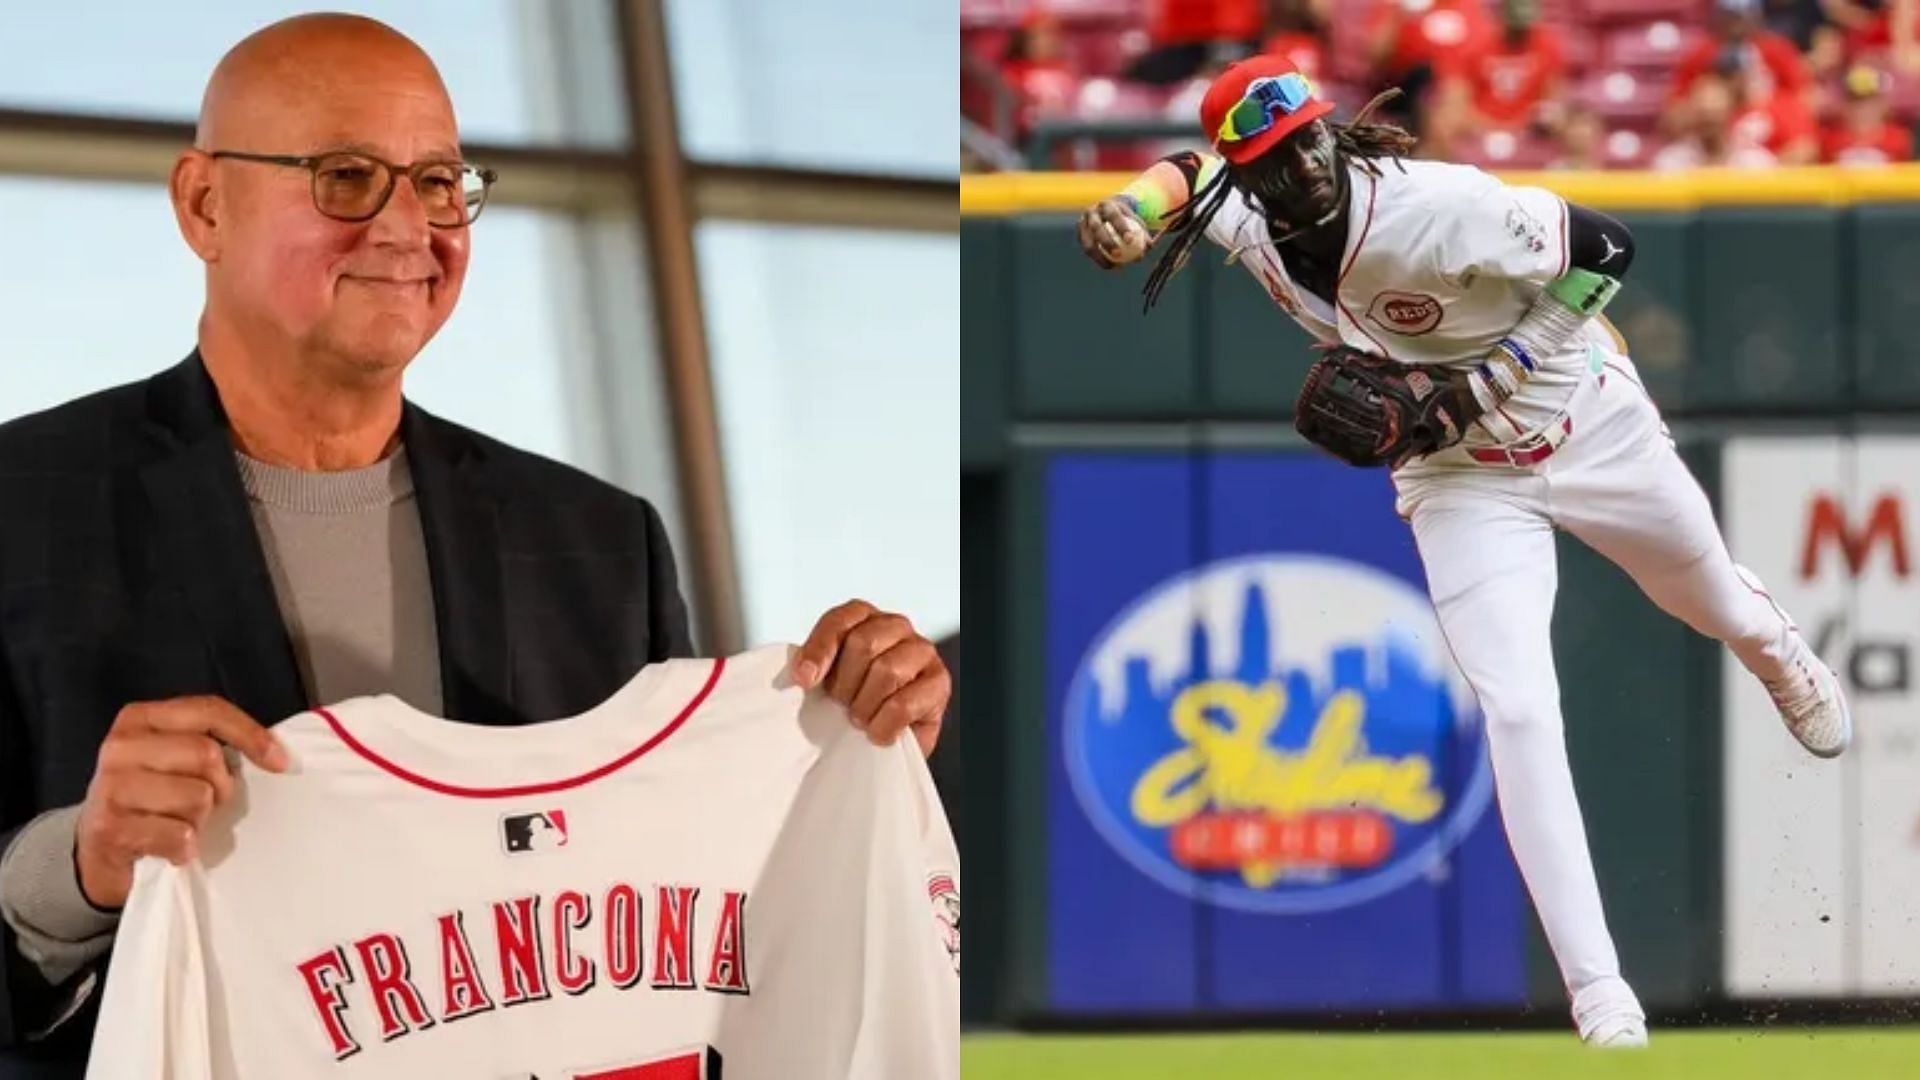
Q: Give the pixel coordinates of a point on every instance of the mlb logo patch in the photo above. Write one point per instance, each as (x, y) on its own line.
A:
(541, 830)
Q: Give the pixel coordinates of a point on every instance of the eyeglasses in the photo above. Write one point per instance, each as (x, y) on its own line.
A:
(1265, 100)
(356, 187)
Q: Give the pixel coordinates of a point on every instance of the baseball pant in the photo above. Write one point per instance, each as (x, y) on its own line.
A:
(1485, 534)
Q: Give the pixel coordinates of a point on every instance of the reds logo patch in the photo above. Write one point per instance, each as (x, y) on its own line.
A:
(1405, 313)
(946, 914)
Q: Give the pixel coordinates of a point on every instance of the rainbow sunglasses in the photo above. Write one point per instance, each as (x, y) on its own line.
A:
(1267, 99)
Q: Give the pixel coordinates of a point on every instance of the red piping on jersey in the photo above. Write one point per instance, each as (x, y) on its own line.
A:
(1339, 304)
(1372, 186)
(1638, 385)
(621, 762)
(1623, 374)
(1768, 597)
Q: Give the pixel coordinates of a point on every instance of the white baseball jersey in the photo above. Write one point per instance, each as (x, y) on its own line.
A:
(1441, 261)
(711, 871)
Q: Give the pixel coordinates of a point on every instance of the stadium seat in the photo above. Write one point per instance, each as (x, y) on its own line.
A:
(1103, 50)
(1347, 58)
(1627, 149)
(1117, 12)
(1054, 94)
(1509, 150)
(1656, 45)
(1619, 54)
(1687, 12)
(1905, 100)
(1582, 48)
(1624, 98)
(991, 12)
(1103, 99)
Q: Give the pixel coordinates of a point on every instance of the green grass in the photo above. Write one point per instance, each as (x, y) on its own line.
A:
(1773, 1053)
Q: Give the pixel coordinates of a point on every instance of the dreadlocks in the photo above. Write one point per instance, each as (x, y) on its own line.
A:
(1359, 140)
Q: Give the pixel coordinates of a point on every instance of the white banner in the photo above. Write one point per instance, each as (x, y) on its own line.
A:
(1823, 857)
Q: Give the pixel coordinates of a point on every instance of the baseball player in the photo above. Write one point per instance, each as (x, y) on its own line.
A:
(1464, 349)
(711, 870)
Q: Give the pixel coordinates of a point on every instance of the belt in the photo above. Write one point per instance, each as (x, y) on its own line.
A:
(1535, 448)
(1531, 450)
(1538, 446)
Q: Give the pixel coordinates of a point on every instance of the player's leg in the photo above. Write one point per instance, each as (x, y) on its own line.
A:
(1491, 572)
(1638, 505)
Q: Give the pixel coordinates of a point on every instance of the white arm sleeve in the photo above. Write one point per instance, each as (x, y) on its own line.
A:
(1491, 229)
(153, 1016)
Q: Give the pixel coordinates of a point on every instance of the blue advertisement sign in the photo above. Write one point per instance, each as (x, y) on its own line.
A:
(1268, 782)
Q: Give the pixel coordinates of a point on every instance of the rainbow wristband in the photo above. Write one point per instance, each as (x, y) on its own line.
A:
(1150, 202)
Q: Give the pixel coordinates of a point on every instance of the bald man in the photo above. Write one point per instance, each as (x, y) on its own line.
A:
(271, 525)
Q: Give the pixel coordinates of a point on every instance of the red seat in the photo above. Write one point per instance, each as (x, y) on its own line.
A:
(1347, 48)
(1102, 50)
(1656, 45)
(1510, 150)
(1904, 102)
(1052, 93)
(1688, 12)
(1102, 99)
(1106, 99)
(1581, 47)
(1119, 12)
(990, 12)
(1627, 149)
(1624, 98)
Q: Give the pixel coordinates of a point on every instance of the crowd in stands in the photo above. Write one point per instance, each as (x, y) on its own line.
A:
(1512, 84)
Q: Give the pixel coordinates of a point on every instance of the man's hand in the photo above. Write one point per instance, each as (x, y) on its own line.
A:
(159, 774)
(886, 674)
(1112, 234)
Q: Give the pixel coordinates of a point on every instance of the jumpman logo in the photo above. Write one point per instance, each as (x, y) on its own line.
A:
(1611, 250)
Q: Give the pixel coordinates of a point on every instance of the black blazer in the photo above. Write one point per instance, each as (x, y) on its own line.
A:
(130, 570)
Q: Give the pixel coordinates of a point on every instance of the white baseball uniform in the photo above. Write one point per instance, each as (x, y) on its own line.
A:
(1441, 261)
(711, 869)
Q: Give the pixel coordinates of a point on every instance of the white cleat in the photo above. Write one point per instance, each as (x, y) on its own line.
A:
(1619, 1033)
(1606, 1014)
(1812, 704)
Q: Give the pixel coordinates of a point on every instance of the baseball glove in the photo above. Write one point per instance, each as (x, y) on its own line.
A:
(1369, 410)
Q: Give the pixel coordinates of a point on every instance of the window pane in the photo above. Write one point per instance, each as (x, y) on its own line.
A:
(829, 84)
(58, 346)
(516, 360)
(836, 357)
(519, 72)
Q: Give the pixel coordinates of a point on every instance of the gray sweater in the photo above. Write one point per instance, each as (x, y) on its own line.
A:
(349, 568)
